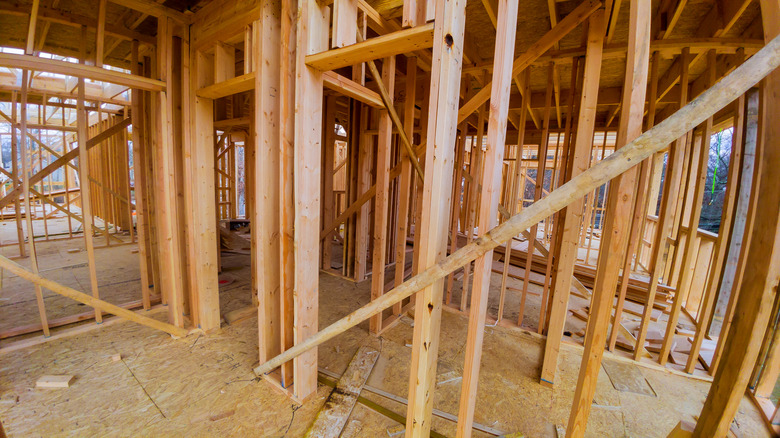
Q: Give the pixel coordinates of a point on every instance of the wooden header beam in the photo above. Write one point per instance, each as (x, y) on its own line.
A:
(395, 43)
(35, 63)
(229, 87)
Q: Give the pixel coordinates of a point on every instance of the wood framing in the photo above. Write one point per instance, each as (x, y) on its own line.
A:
(491, 184)
(758, 287)
(572, 217)
(616, 228)
(435, 208)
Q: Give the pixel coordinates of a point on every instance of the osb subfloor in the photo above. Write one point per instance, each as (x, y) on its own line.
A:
(204, 385)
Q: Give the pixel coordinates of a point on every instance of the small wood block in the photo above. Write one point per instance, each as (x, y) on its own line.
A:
(241, 314)
(74, 250)
(54, 381)
(684, 429)
(116, 358)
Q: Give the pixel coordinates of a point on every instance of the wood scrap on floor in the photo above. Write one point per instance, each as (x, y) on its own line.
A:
(335, 412)
(53, 381)
(242, 314)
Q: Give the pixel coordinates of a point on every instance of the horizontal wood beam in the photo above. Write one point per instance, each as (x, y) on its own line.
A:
(35, 63)
(350, 88)
(395, 43)
(154, 9)
(227, 123)
(40, 92)
(238, 84)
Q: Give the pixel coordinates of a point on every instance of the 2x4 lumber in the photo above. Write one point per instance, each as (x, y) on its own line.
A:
(100, 36)
(697, 184)
(224, 62)
(344, 23)
(266, 218)
(83, 298)
(650, 142)
(311, 37)
(573, 215)
(414, 13)
(666, 214)
(287, 91)
(350, 88)
(449, 28)
(769, 371)
(758, 289)
(616, 228)
(405, 182)
(541, 161)
(166, 197)
(382, 198)
(31, 27)
(395, 43)
(516, 190)
(154, 9)
(734, 268)
(202, 227)
(86, 201)
(472, 201)
(228, 87)
(328, 159)
(16, 182)
(639, 215)
(27, 206)
(491, 192)
(9, 60)
(720, 251)
(574, 19)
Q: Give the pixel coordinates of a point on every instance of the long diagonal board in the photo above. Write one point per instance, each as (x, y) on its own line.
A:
(335, 412)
